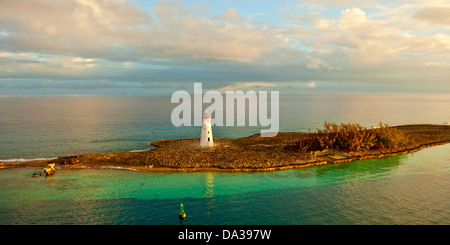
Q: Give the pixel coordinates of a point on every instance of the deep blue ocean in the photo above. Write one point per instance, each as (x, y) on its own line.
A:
(407, 189)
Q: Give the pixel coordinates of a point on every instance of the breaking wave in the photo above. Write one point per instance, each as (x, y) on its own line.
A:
(25, 160)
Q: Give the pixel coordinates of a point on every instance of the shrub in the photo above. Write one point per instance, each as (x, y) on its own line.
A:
(353, 137)
(388, 137)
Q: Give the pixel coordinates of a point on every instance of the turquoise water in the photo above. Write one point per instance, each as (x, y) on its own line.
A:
(407, 189)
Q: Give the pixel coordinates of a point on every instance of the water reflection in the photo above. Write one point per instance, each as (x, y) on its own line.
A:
(209, 193)
(209, 185)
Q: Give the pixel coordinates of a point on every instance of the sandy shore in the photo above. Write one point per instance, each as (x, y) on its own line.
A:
(247, 154)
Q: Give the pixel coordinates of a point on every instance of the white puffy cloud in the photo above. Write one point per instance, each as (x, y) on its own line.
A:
(115, 29)
(318, 40)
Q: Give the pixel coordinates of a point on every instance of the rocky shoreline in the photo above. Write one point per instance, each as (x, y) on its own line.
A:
(248, 154)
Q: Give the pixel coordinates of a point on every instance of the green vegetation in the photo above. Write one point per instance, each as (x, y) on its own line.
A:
(352, 137)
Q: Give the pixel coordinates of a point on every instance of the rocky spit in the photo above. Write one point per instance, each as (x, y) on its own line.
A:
(248, 154)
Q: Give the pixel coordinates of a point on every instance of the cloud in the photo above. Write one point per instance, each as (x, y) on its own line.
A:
(434, 15)
(230, 15)
(311, 84)
(317, 63)
(4, 54)
(38, 65)
(366, 41)
(246, 86)
(227, 46)
(118, 30)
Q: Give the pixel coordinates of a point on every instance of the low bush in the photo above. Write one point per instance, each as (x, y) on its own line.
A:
(353, 137)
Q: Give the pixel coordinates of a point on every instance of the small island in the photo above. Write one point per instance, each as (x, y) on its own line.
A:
(333, 144)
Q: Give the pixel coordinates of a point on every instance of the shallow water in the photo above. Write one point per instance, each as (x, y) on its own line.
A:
(406, 189)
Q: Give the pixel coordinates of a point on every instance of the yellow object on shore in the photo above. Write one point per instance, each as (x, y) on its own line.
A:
(50, 170)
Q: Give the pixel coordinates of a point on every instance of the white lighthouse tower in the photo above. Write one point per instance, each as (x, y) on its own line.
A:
(206, 138)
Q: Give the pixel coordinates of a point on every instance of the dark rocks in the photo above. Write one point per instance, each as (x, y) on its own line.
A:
(36, 174)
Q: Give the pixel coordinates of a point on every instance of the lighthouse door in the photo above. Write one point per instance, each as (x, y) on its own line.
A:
(209, 140)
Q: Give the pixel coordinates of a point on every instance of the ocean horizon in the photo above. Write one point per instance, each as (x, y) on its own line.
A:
(43, 127)
(404, 189)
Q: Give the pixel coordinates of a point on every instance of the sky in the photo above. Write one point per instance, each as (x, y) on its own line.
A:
(146, 48)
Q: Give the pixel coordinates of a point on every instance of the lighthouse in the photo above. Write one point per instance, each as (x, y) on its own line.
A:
(206, 138)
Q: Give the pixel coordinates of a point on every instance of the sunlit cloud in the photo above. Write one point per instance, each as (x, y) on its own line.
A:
(311, 84)
(245, 86)
(284, 44)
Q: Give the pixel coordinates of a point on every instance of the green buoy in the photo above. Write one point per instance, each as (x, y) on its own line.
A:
(182, 214)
